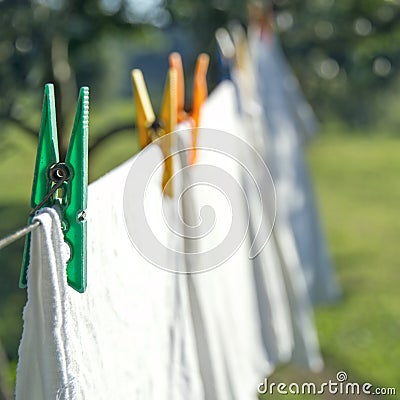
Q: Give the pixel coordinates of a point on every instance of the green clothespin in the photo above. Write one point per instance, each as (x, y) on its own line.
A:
(63, 185)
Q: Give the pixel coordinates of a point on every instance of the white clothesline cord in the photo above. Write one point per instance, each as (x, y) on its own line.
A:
(19, 234)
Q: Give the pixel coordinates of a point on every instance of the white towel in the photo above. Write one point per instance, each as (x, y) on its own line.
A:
(300, 110)
(43, 357)
(284, 309)
(271, 292)
(224, 299)
(286, 161)
(129, 336)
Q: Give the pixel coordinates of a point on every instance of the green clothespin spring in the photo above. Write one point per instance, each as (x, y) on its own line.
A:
(63, 185)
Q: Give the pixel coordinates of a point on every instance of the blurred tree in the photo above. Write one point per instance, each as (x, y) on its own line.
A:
(203, 18)
(346, 53)
(48, 41)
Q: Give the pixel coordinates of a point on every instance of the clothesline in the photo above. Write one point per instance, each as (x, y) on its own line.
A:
(18, 234)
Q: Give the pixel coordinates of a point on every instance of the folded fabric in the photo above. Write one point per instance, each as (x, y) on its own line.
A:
(298, 107)
(43, 354)
(223, 297)
(277, 329)
(283, 305)
(288, 167)
(130, 335)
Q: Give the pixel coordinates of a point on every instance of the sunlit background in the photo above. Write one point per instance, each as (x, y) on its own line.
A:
(346, 57)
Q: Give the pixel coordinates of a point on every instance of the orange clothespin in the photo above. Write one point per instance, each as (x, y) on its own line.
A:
(199, 95)
(150, 127)
(262, 16)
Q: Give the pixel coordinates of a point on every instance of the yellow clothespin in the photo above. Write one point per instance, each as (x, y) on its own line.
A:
(242, 52)
(150, 128)
(199, 95)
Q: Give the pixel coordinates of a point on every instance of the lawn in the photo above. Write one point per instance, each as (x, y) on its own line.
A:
(356, 182)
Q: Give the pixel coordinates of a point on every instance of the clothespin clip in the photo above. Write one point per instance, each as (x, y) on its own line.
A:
(63, 185)
(262, 16)
(199, 95)
(226, 53)
(242, 52)
(150, 127)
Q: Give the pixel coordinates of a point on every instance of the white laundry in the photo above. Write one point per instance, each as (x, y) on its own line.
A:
(43, 356)
(270, 287)
(283, 109)
(300, 110)
(129, 336)
(223, 299)
(284, 308)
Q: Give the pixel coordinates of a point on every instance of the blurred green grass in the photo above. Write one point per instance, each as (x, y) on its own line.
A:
(356, 179)
(356, 182)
